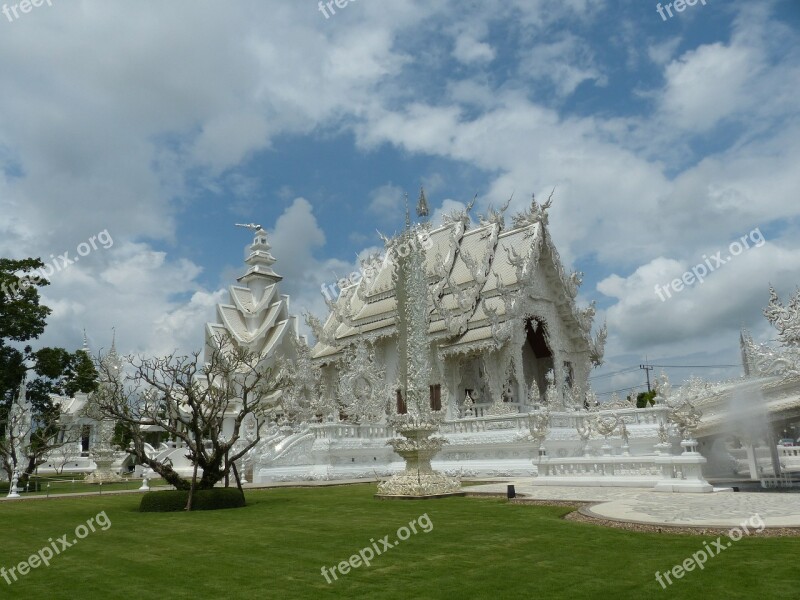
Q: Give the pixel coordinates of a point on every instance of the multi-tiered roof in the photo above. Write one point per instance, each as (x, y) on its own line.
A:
(474, 280)
(256, 315)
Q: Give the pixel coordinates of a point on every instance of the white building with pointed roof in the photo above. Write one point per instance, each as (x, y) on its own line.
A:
(256, 315)
(504, 337)
(502, 313)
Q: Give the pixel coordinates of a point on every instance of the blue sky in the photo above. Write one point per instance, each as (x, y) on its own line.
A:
(665, 140)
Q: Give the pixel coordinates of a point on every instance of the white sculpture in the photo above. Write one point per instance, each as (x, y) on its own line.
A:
(13, 491)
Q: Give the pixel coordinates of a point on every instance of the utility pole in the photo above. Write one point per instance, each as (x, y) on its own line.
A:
(647, 368)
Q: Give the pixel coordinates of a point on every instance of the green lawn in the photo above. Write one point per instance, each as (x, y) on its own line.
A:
(276, 546)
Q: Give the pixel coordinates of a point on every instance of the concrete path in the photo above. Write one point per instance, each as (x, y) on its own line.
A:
(644, 506)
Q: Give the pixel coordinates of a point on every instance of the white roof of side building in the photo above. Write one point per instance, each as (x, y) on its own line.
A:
(256, 314)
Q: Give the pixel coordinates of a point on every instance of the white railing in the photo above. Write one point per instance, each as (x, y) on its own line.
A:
(483, 409)
(518, 421)
(606, 466)
(334, 431)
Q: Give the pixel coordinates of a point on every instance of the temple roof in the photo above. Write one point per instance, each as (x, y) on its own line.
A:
(466, 270)
(256, 314)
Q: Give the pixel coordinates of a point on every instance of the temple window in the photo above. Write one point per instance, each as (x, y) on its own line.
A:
(436, 397)
(401, 403)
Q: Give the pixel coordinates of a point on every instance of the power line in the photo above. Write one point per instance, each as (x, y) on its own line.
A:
(614, 373)
(636, 387)
(693, 366)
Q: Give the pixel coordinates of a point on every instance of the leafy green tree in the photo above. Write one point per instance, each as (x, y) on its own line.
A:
(43, 372)
(22, 318)
(645, 399)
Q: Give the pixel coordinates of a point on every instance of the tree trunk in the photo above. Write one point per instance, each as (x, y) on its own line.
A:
(236, 475)
(191, 489)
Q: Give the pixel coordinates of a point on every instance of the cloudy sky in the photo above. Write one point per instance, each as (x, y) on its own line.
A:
(159, 125)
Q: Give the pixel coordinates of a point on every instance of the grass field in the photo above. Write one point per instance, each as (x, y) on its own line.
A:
(277, 545)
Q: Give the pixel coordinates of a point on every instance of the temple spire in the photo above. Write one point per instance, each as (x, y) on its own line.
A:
(258, 259)
(408, 215)
(422, 204)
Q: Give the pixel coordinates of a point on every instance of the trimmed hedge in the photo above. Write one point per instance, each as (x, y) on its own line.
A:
(175, 500)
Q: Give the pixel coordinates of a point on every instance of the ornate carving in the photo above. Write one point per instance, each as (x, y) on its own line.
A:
(586, 317)
(534, 214)
(606, 424)
(686, 417)
(552, 395)
(363, 392)
(764, 361)
(786, 319)
(468, 406)
(460, 216)
(495, 217)
(539, 427)
(597, 346)
(304, 396)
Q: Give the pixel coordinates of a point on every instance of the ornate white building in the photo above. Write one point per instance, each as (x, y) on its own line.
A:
(505, 377)
(501, 315)
(504, 337)
(257, 315)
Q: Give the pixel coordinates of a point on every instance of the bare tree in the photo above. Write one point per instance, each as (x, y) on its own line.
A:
(66, 453)
(28, 439)
(201, 404)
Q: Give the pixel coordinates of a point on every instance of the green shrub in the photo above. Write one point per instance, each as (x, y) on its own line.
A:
(175, 500)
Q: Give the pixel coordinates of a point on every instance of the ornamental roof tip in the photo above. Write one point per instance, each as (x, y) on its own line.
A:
(422, 204)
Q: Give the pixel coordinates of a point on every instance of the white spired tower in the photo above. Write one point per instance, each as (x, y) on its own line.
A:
(256, 315)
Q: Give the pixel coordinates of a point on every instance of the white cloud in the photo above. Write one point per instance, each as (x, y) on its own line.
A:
(386, 201)
(565, 63)
(469, 50)
(107, 140)
(723, 302)
(706, 85)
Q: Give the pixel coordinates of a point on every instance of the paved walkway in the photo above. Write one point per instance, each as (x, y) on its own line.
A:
(638, 505)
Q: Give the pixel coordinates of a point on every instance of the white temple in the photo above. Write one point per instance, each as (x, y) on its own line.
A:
(499, 373)
(510, 355)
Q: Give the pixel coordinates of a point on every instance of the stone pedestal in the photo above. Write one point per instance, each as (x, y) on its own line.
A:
(418, 479)
(104, 459)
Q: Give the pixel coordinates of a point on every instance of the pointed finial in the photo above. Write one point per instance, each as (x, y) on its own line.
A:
(85, 342)
(422, 204)
(113, 339)
(251, 226)
(408, 214)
